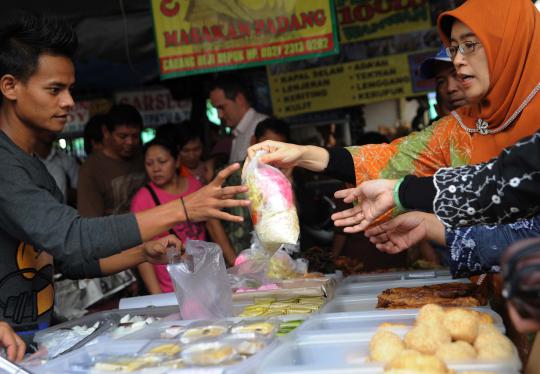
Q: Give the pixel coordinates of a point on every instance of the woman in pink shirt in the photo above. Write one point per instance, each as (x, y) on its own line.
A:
(162, 165)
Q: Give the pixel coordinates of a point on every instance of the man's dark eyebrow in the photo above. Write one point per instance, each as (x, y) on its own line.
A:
(58, 84)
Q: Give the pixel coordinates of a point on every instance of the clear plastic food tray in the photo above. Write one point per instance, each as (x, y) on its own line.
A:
(325, 325)
(398, 275)
(374, 288)
(349, 355)
(347, 304)
(167, 312)
(83, 360)
(155, 330)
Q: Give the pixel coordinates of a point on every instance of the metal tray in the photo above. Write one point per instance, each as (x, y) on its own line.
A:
(398, 275)
(374, 288)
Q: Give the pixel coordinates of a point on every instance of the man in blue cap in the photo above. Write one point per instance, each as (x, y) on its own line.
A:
(450, 94)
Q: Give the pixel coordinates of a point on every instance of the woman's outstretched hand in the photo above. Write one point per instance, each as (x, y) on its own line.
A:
(287, 155)
(406, 230)
(373, 198)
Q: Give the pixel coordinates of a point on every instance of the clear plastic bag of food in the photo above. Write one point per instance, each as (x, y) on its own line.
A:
(272, 206)
(201, 283)
(249, 270)
(282, 266)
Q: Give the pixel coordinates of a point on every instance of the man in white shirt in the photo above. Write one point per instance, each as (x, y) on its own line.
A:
(63, 167)
(232, 101)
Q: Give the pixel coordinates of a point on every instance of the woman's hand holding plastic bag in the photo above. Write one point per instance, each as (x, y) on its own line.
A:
(272, 205)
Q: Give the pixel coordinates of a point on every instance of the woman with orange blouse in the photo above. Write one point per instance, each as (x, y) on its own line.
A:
(495, 46)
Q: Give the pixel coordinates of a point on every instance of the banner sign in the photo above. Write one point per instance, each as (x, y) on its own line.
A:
(370, 19)
(342, 85)
(156, 106)
(201, 36)
(81, 113)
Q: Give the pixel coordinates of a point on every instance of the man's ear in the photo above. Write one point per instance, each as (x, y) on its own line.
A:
(8, 86)
(240, 99)
(105, 131)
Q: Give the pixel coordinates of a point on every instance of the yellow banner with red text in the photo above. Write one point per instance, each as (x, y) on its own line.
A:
(194, 36)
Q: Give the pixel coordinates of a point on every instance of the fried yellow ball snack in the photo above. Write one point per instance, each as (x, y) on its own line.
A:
(430, 313)
(417, 362)
(494, 347)
(462, 324)
(427, 338)
(456, 351)
(384, 346)
(485, 328)
(483, 318)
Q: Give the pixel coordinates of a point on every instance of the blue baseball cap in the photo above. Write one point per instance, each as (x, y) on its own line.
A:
(427, 67)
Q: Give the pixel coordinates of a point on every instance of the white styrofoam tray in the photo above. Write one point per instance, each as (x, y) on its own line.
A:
(326, 325)
(348, 354)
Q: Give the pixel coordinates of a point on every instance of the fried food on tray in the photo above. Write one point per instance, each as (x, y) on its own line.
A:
(483, 318)
(431, 313)
(485, 328)
(493, 346)
(417, 363)
(456, 351)
(392, 326)
(462, 324)
(427, 338)
(384, 346)
(445, 294)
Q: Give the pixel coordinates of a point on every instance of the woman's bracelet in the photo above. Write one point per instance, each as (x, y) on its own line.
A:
(396, 195)
(185, 210)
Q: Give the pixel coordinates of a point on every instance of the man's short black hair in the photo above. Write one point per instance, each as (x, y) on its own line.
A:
(179, 133)
(93, 131)
(188, 131)
(232, 85)
(123, 114)
(276, 125)
(26, 36)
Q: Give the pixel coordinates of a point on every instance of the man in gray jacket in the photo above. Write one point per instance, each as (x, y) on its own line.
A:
(36, 78)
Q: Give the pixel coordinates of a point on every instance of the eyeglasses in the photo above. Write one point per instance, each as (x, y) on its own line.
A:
(465, 48)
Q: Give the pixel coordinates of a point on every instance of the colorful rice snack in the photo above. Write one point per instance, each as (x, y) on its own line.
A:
(272, 206)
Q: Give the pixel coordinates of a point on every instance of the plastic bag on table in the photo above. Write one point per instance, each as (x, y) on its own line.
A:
(282, 266)
(272, 206)
(52, 343)
(201, 283)
(249, 270)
